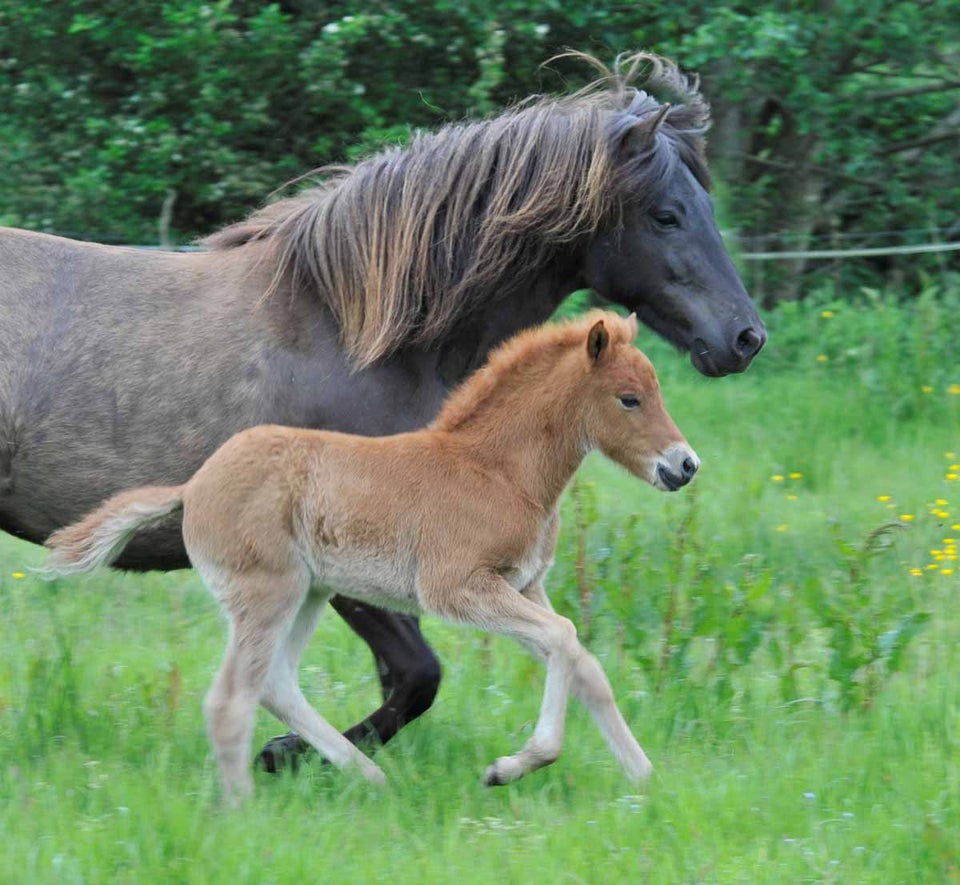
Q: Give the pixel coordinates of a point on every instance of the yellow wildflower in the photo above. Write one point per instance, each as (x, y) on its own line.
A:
(796, 475)
(827, 314)
(777, 477)
(19, 575)
(822, 358)
(916, 572)
(926, 389)
(783, 528)
(946, 571)
(791, 497)
(883, 498)
(906, 517)
(954, 390)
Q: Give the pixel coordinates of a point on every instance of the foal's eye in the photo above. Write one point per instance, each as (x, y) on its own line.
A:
(666, 219)
(628, 402)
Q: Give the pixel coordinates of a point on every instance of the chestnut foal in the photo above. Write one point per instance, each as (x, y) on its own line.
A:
(458, 520)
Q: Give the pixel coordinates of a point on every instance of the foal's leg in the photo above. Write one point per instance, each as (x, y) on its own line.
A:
(260, 610)
(230, 708)
(592, 688)
(261, 605)
(283, 697)
(491, 604)
(409, 675)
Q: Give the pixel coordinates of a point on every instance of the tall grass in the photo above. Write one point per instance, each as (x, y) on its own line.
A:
(791, 676)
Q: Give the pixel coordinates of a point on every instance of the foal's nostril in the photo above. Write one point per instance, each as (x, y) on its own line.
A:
(749, 342)
(688, 468)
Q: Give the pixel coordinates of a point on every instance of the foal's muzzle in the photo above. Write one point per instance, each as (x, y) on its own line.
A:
(676, 467)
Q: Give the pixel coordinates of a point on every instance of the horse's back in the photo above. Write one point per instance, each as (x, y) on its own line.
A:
(109, 359)
(122, 367)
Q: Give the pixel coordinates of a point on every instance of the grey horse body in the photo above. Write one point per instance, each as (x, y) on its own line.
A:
(120, 367)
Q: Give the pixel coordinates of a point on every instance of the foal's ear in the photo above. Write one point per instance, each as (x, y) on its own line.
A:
(632, 321)
(597, 341)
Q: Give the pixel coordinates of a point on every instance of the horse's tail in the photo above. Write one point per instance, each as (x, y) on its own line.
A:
(99, 538)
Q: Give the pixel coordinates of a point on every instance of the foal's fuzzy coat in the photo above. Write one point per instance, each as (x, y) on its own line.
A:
(458, 520)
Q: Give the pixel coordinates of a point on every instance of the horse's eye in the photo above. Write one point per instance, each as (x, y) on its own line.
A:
(666, 219)
(629, 402)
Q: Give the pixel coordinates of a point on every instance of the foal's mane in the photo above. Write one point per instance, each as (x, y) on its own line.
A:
(401, 245)
(534, 352)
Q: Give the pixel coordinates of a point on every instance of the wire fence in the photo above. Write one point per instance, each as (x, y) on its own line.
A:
(851, 253)
(746, 247)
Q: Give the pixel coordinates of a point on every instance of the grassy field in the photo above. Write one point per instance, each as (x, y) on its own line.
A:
(784, 638)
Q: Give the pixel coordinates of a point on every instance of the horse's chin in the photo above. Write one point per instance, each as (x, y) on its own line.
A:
(703, 361)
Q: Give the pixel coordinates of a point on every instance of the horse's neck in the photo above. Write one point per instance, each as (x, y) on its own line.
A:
(516, 307)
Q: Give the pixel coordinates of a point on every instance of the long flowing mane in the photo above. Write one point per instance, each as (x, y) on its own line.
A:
(400, 245)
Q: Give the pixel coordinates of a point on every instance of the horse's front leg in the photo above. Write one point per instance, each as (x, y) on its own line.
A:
(409, 674)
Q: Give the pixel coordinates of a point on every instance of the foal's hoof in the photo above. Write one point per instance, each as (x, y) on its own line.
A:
(503, 771)
(281, 753)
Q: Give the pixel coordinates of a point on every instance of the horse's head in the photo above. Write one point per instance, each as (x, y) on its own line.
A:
(625, 416)
(662, 255)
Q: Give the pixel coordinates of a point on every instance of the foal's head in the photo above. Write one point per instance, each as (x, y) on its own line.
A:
(624, 414)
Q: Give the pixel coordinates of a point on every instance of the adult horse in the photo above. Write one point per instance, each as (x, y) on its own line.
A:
(355, 306)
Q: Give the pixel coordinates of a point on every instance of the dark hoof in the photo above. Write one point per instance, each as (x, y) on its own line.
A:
(281, 753)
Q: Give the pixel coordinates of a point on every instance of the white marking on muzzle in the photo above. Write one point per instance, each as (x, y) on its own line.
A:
(675, 467)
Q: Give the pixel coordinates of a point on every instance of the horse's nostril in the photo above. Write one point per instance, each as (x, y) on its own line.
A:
(689, 467)
(749, 342)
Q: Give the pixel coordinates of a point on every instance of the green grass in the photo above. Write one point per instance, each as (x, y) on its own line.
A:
(106, 776)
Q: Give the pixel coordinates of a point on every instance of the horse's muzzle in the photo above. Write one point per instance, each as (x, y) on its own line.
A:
(711, 362)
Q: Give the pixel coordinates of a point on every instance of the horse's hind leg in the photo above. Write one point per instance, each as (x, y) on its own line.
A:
(283, 697)
(409, 670)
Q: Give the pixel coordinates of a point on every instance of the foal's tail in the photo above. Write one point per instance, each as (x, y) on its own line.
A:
(99, 538)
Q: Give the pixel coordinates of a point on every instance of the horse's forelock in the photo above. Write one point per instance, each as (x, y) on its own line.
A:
(644, 81)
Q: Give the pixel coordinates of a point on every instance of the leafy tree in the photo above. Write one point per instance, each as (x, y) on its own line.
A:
(834, 118)
(127, 120)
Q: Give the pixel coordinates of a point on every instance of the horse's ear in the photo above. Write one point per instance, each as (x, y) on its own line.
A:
(632, 321)
(641, 135)
(597, 341)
